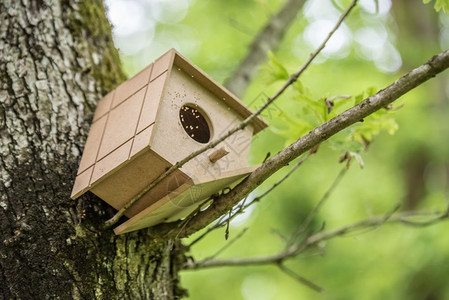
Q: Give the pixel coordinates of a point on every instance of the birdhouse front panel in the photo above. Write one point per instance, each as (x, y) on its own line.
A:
(154, 120)
(190, 116)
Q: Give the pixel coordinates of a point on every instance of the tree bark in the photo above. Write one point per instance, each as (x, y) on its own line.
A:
(56, 61)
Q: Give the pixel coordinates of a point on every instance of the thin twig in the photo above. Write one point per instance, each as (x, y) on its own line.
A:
(435, 220)
(293, 78)
(386, 217)
(373, 222)
(222, 221)
(384, 97)
(187, 219)
(217, 225)
(227, 225)
(277, 183)
(266, 157)
(403, 218)
(317, 207)
(242, 207)
(227, 245)
(266, 40)
(279, 235)
(301, 279)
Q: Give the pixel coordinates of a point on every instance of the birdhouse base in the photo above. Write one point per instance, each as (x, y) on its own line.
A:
(184, 200)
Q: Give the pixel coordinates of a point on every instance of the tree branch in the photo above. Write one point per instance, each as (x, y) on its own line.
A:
(268, 39)
(313, 239)
(227, 245)
(301, 279)
(220, 223)
(293, 78)
(277, 183)
(404, 218)
(355, 114)
(223, 220)
(315, 210)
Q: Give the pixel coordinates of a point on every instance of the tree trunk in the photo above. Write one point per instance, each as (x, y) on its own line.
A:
(56, 60)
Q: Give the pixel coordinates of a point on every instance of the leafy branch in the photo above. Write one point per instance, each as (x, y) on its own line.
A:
(293, 78)
(440, 4)
(378, 101)
(241, 208)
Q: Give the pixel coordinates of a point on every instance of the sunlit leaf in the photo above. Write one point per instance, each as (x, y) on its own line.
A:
(274, 70)
(440, 4)
(358, 158)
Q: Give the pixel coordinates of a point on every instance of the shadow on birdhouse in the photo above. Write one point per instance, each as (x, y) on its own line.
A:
(149, 123)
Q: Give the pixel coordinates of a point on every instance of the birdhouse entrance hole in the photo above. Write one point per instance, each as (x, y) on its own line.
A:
(194, 124)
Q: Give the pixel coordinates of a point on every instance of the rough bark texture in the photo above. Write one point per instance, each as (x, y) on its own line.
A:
(56, 60)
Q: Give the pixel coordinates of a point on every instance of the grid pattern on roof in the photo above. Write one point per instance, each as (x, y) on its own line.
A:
(122, 124)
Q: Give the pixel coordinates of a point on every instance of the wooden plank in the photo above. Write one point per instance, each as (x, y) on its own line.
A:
(131, 86)
(182, 201)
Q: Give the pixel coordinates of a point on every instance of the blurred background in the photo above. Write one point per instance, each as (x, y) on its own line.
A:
(373, 48)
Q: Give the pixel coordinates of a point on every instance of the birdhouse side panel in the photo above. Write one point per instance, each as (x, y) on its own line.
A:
(104, 105)
(122, 123)
(113, 126)
(132, 85)
(186, 110)
(92, 144)
(81, 183)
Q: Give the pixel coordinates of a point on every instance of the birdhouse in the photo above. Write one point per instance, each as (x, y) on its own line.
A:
(150, 122)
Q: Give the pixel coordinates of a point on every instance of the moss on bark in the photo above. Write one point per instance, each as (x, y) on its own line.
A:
(56, 62)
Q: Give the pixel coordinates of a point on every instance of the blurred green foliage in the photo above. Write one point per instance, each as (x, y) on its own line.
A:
(379, 42)
(440, 4)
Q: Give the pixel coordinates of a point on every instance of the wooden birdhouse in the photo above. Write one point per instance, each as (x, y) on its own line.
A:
(149, 123)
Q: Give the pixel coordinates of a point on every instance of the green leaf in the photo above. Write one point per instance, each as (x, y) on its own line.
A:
(359, 159)
(358, 98)
(440, 4)
(299, 87)
(307, 112)
(274, 70)
(370, 91)
(367, 93)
